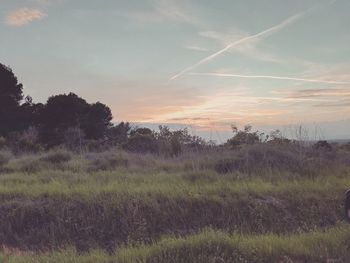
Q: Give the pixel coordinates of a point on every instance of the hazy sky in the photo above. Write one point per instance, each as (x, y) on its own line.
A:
(197, 62)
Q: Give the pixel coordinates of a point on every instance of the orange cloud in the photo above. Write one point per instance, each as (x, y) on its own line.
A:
(24, 16)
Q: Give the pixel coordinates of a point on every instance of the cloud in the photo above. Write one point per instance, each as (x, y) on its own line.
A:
(321, 81)
(341, 104)
(24, 16)
(327, 98)
(196, 48)
(241, 41)
(249, 48)
(174, 12)
(164, 11)
(312, 93)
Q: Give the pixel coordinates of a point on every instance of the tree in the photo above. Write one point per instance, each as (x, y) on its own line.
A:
(118, 134)
(276, 137)
(10, 98)
(63, 112)
(245, 136)
(60, 113)
(97, 120)
(176, 141)
(142, 140)
(29, 114)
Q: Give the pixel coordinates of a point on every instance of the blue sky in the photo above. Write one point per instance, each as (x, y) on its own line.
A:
(203, 63)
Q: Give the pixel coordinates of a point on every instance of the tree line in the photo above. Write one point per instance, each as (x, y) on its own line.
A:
(53, 118)
(70, 120)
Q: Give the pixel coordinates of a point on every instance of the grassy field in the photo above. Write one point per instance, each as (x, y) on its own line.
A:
(331, 245)
(120, 207)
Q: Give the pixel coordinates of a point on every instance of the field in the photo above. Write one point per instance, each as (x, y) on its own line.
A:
(258, 204)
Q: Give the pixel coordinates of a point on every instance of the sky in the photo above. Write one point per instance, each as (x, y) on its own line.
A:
(198, 63)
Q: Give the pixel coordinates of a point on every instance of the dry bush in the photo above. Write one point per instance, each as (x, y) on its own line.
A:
(5, 157)
(27, 164)
(24, 142)
(57, 157)
(2, 142)
(261, 157)
(106, 161)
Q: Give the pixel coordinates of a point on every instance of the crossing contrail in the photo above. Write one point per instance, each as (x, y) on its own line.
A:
(272, 77)
(269, 31)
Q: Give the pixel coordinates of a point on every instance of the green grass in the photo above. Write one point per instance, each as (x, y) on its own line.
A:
(172, 184)
(215, 246)
(108, 208)
(128, 204)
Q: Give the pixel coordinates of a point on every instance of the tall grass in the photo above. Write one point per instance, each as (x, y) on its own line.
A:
(115, 198)
(209, 246)
(110, 208)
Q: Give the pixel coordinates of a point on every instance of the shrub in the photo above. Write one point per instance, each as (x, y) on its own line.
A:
(24, 142)
(57, 157)
(322, 146)
(73, 139)
(2, 142)
(228, 165)
(142, 143)
(5, 157)
(27, 164)
(258, 157)
(106, 161)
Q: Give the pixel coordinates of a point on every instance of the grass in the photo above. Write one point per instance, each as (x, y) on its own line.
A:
(173, 184)
(109, 208)
(122, 207)
(331, 245)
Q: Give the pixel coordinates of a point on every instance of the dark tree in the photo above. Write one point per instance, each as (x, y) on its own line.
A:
(60, 113)
(55, 118)
(97, 120)
(10, 98)
(29, 114)
(63, 112)
(141, 131)
(142, 140)
(118, 134)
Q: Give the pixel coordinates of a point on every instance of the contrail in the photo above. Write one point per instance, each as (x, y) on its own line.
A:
(271, 77)
(271, 30)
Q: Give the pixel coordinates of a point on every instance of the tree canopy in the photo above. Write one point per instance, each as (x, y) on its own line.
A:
(59, 114)
(10, 98)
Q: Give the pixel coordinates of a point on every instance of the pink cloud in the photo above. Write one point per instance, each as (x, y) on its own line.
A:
(24, 16)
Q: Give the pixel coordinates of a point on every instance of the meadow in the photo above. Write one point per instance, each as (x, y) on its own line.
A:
(258, 203)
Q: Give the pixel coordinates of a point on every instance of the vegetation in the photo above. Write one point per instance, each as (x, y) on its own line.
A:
(114, 199)
(75, 188)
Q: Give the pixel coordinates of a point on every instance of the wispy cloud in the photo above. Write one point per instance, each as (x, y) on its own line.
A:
(264, 33)
(195, 48)
(214, 74)
(313, 93)
(164, 11)
(174, 11)
(339, 104)
(249, 48)
(24, 16)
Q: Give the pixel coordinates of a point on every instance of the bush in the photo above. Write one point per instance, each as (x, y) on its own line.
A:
(142, 143)
(5, 157)
(24, 142)
(73, 139)
(2, 142)
(228, 165)
(106, 161)
(259, 157)
(57, 157)
(322, 146)
(27, 164)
